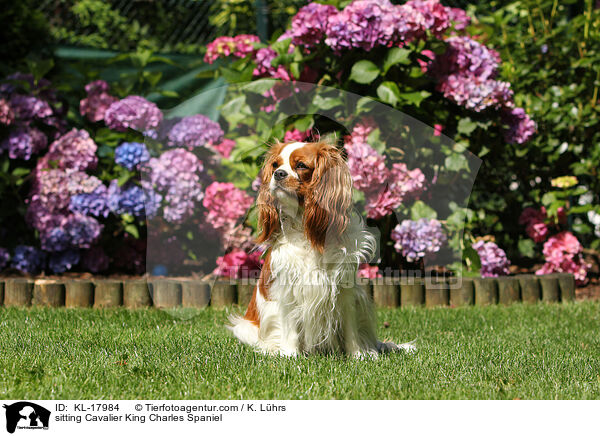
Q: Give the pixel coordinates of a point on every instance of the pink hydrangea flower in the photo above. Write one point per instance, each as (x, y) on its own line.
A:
(225, 147)
(295, 135)
(225, 204)
(239, 46)
(368, 271)
(133, 112)
(563, 253)
(98, 100)
(534, 221)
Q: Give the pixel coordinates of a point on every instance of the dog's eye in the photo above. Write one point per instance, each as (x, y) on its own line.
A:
(275, 165)
(301, 166)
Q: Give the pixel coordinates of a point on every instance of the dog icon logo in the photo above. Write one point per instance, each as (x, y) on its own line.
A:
(26, 415)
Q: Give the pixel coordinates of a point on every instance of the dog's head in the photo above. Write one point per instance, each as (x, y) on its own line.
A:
(307, 182)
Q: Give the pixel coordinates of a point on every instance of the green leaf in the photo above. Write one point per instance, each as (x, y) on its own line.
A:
(364, 72)
(304, 123)
(472, 258)
(388, 92)
(421, 210)
(123, 178)
(396, 56)
(18, 172)
(132, 230)
(527, 247)
(466, 126)
(326, 103)
(259, 86)
(456, 162)
(414, 97)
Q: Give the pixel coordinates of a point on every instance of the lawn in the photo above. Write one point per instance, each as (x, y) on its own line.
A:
(541, 351)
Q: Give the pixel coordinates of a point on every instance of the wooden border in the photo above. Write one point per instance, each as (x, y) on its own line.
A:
(161, 292)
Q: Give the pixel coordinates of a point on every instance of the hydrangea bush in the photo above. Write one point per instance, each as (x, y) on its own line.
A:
(121, 172)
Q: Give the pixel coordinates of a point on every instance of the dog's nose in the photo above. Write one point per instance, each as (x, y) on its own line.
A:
(280, 174)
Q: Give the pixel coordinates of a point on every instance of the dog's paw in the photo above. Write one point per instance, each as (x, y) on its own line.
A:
(409, 347)
(364, 355)
(288, 352)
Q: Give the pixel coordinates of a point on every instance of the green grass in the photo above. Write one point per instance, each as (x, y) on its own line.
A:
(541, 351)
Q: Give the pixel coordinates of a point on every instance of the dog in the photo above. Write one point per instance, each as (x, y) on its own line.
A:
(307, 299)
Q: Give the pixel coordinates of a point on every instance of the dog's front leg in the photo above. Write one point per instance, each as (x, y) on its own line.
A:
(347, 301)
(289, 334)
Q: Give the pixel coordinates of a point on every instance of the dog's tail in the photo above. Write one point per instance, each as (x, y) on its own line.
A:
(243, 329)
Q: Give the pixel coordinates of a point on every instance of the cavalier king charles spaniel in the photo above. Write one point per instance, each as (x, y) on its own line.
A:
(307, 299)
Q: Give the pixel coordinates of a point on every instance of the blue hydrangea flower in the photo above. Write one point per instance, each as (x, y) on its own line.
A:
(94, 204)
(132, 199)
(130, 154)
(63, 261)
(55, 239)
(28, 259)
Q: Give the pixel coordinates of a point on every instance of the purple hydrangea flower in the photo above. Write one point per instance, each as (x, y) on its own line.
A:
(520, 127)
(176, 176)
(363, 24)
(130, 154)
(28, 259)
(55, 239)
(494, 262)
(27, 107)
(4, 258)
(194, 131)
(63, 261)
(24, 142)
(133, 112)
(83, 230)
(415, 239)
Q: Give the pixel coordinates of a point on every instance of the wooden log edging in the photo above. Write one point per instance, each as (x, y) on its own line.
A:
(168, 293)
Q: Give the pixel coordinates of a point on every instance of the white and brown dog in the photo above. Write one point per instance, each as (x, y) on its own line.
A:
(307, 299)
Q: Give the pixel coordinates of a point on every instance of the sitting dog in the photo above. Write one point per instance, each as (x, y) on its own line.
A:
(307, 299)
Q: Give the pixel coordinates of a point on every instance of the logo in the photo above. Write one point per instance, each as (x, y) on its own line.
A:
(26, 415)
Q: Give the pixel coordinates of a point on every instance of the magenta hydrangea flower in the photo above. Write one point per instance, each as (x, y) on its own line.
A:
(98, 100)
(238, 264)
(493, 259)
(74, 150)
(133, 112)
(225, 204)
(520, 126)
(309, 25)
(416, 239)
(534, 221)
(223, 46)
(194, 131)
(295, 135)
(563, 253)
(23, 143)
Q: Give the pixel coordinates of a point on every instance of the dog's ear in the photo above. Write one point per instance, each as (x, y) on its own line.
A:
(268, 218)
(328, 204)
